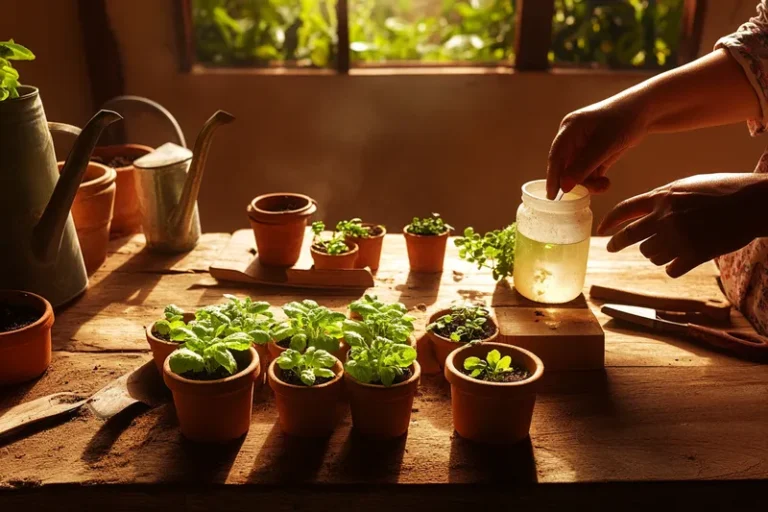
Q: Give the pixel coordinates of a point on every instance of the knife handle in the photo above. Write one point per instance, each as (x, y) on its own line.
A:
(747, 345)
(30, 413)
(719, 310)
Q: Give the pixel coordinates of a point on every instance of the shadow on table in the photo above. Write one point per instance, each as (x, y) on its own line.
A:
(285, 458)
(371, 461)
(479, 463)
(420, 289)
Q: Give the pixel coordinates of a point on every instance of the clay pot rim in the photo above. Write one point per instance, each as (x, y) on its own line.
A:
(434, 316)
(372, 237)
(107, 177)
(273, 377)
(269, 217)
(252, 366)
(109, 147)
(441, 235)
(148, 330)
(450, 367)
(7, 296)
(381, 387)
(354, 250)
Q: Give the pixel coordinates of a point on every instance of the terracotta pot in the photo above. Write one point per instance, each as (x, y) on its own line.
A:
(214, 411)
(426, 253)
(92, 213)
(25, 353)
(275, 350)
(279, 222)
(344, 261)
(307, 411)
(443, 346)
(161, 349)
(492, 412)
(382, 412)
(369, 254)
(127, 217)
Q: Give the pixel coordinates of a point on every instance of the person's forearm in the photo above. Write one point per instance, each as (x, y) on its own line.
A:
(710, 91)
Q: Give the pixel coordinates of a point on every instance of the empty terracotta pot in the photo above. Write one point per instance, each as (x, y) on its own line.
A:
(127, 217)
(492, 412)
(307, 411)
(369, 249)
(92, 213)
(279, 222)
(444, 346)
(344, 261)
(214, 411)
(161, 349)
(382, 412)
(426, 253)
(25, 352)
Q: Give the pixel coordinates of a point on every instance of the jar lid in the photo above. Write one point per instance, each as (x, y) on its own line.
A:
(535, 196)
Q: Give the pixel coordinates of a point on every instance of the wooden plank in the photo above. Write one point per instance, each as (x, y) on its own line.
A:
(342, 27)
(533, 36)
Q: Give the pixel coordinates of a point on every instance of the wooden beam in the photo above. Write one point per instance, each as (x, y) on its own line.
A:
(342, 52)
(185, 35)
(692, 27)
(533, 36)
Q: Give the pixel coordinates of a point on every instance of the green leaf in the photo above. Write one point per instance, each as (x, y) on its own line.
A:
(172, 310)
(472, 362)
(326, 343)
(324, 372)
(493, 357)
(182, 333)
(183, 360)
(307, 377)
(223, 356)
(353, 339)
(387, 376)
(323, 359)
(260, 337)
(14, 51)
(299, 342)
(504, 363)
(162, 327)
(289, 359)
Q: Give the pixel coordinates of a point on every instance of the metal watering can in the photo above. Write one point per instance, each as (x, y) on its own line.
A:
(168, 183)
(39, 250)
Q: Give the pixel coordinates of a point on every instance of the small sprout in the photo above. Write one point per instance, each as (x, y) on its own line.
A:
(494, 368)
(354, 229)
(433, 225)
(495, 250)
(333, 246)
(307, 366)
(464, 324)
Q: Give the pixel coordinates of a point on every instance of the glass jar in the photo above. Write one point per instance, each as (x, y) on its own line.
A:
(552, 244)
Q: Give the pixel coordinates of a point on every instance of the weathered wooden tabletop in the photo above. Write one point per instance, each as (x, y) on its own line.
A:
(664, 410)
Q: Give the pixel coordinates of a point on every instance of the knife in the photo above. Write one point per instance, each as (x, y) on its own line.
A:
(143, 384)
(744, 344)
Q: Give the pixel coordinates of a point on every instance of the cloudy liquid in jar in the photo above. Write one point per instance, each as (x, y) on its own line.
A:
(549, 273)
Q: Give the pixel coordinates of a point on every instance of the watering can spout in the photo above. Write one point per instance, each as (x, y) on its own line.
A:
(46, 236)
(181, 217)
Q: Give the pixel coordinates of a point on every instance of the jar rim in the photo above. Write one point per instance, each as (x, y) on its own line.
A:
(535, 196)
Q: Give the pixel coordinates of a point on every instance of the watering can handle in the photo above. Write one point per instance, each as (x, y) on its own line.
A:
(64, 128)
(152, 106)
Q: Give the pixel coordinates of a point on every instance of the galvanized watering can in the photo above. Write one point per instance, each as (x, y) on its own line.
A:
(39, 250)
(168, 183)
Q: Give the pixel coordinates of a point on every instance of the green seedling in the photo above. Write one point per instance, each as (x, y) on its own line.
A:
(386, 320)
(494, 368)
(353, 228)
(375, 359)
(495, 250)
(9, 77)
(429, 226)
(307, 366)
(310, 325)
(333, 245)
(464, 324)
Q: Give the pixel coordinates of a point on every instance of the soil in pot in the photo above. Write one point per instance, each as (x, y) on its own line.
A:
(307, 411)
(426, 253)
(279, 222)
(25, 336)
(441, 338)
(215, 410)
(325, 261)
(162, 346)
(369, 254)
(476, 404)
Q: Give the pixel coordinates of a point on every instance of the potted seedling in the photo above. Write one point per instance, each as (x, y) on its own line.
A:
(449, 329)
(381, 378)
(309, 325)
(369, 239)
(425, 240)
(389, 320)
(495, 250)
(212, 381)
(308, 389)
(332, 252)
(493, 391)
(279, 222)
(25, 336)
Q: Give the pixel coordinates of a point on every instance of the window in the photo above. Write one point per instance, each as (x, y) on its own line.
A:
(339, 34)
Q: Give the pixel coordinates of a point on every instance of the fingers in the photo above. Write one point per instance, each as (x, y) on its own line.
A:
(633, 233)
(555, 165)
(681, 266)
(630, 209)
(597, 185)
(590, 159)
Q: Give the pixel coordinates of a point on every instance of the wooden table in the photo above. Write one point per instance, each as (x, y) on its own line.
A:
(665, 420)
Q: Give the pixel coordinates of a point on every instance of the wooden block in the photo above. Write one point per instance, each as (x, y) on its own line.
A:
(564, 338)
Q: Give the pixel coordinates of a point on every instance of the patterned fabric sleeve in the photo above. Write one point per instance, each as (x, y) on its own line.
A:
(749, 46)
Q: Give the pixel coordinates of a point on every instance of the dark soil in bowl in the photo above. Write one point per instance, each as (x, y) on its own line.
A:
(374, 231)
(117, 161)
(13, 317)
(280, 204)
(517, 374)
(164, 337)
(291, 377)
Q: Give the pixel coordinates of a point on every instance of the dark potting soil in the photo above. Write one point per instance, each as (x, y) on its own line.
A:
(114, 162)
(517, 374)
(286, 343)
(402, 378)
(374, 231)
(489, 329)
(164, 337)
(291, 377)
(13, 317)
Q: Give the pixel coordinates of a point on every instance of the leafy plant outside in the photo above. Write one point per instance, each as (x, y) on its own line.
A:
(495, 250)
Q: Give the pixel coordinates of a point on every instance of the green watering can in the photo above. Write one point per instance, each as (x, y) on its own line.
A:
(39, 250)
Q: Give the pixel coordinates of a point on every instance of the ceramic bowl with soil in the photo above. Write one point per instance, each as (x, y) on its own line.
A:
(492, 404)
(215, 407)
(369, 245)
(25, 336)
(162, 346)
(452, 328)
(279, 222)
(307, 411)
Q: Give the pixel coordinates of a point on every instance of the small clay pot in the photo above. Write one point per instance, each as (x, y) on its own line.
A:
(444, 346)
(426, 253)
(92, 213)
(382, 412)
(214, 411)
(25, 353)
(307, 411)
(492, 412)
(279, 222)
(369, 254)
(127, 217)
(343, 261)
(161, 349)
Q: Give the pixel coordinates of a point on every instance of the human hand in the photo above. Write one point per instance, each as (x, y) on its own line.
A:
(691, 221)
